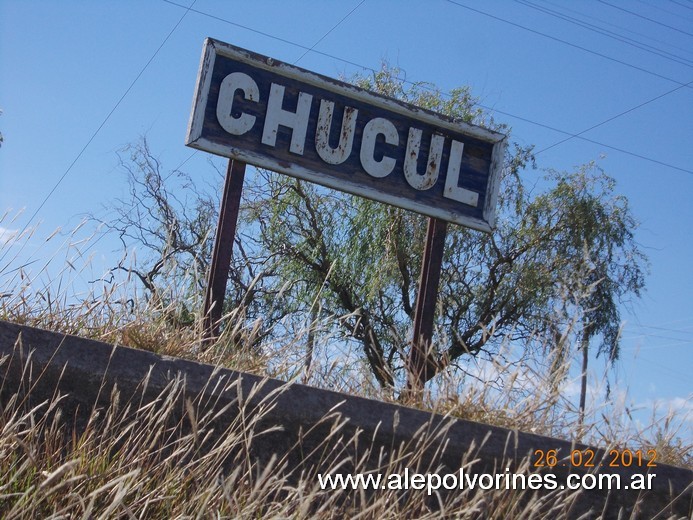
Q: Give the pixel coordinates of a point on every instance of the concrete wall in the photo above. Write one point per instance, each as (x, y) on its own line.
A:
(87, 370)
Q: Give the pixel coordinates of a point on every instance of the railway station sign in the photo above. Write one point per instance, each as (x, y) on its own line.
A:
(277, 116)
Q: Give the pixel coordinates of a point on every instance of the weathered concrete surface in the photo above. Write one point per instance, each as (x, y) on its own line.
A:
(87, 370)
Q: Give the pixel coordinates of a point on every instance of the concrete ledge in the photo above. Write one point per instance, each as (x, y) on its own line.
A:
(87, 371)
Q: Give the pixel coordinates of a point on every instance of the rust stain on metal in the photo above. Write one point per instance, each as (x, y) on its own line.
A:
(303, 142)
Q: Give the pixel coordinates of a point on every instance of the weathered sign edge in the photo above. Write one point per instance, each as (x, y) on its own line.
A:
(213, 47)
(306, 174)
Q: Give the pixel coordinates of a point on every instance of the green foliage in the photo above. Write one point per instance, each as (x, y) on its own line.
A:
(594, 232)
(570, 247)
(563, 253)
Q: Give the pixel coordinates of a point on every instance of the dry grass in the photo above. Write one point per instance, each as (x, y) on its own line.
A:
(147, 460)
(138, 460)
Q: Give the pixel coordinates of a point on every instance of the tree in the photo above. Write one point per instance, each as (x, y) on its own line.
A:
(310, 251)
(168, 223)
(171, 232)
(607, 266)
(364, 257)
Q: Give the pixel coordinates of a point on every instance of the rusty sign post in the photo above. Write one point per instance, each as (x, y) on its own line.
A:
(424, 313)
(273, 115)
(223, 244)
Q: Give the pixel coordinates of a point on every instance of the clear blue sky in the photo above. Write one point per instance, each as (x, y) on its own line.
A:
(548, 68)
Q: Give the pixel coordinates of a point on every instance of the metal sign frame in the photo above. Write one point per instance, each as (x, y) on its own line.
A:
(270, 114)
(257, 110)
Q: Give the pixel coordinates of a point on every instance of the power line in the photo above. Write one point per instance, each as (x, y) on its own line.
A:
(628, 30)
(614, 117)
(684, 330)
(312, 48)
(328, 32)
(669, 322)
(675, 343)
(577, 136)
(496, 110)
(103, 123)
(681, 375)
(682, 5)
(266, 34)
(678, 341)
(609, 34)
(565, 42)
(660, 8)
(645, 18)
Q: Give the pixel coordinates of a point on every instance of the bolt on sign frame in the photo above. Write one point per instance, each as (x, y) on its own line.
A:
(257, 110)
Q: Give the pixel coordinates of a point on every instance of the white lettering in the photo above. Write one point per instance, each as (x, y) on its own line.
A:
(244, 122)
(571, 481)
(452, 190)
(276, 115)
(589, 481)
(417, 481)
(375, 127)
(346, 134)
(432, 486)
(446, 481)
(435, 154)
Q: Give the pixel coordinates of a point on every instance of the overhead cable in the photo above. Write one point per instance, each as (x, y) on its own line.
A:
(492, 109)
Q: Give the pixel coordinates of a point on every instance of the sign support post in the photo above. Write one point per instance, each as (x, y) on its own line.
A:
(420, 361)
(223, 246)
(258, 110)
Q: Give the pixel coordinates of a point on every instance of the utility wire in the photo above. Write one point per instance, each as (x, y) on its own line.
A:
(496, 110)
(645, 18)
(311, 49)
(328, 32)
(682, 5)
(565, 42)
(685, 330)
(642, 36)
(677, 342)
(614, 117)
(660, 336)
(609, 34)
(670, 13)
(577, 136)
(265, 34)
(96, 132)
(680, 375)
